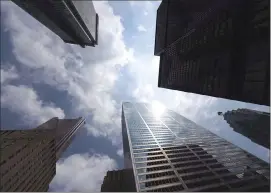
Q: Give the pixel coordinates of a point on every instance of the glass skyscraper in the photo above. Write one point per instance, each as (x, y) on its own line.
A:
(168, 152)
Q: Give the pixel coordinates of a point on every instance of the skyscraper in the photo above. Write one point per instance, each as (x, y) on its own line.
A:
(168, 152)
(252, 124)
(119, 181)
(28, 157)
(75, 22)
(215, 48)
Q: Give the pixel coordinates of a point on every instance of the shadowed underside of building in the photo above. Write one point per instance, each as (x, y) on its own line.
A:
(215, 48)
(75, 22)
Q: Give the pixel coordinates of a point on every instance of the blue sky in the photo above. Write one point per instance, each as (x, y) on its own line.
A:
(42, 77)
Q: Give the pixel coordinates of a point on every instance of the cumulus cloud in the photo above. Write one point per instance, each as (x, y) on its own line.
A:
(194, 106)
(144, 93)
(144, 5)
(24, 101)
(81, 172)
(141, 9)
(120, 152)
(111, 131)
(141, 28)
(9, 74)
(87, 75)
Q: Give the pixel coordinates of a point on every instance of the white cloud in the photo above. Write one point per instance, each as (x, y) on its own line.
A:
(144, 5)
(120, 152)
(9, 74)
(86, 74)
(144, 93)
(145, 69)
(79, 173)
(194, 106)
(111, 131)
(141, 9)
(25, 102)
(141, 28)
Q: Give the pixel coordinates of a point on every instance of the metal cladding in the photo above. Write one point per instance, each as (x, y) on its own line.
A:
(172, 153)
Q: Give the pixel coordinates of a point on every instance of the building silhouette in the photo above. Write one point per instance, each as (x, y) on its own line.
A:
(252, 124)
(28, 157)
(119, 181)
(215, 48)
(172, 153)
(75, 22)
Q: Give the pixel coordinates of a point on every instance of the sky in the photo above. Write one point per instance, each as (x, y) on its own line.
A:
(43, 77)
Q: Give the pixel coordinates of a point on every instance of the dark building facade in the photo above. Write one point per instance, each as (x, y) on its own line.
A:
(215, 48)
(119, 181)
(28, 157)
(254, 125)
(28, 160)
(66, 130)
(172, 153)
(75, 22)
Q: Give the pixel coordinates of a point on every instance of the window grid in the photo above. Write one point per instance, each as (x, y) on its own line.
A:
(196, 158)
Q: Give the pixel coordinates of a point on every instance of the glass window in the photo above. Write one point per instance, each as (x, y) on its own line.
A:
(142, 170)
(141, 177)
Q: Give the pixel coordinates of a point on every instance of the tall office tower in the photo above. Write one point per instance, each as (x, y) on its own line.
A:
(28, 157)
(168, 152)
(66, 130)
(75, 22)
(215, 48)
(119, 181)
(253, 124)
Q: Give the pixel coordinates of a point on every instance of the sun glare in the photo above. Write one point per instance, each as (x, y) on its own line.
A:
(157, 109)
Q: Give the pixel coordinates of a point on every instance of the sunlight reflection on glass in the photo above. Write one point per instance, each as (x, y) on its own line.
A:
(157, 108)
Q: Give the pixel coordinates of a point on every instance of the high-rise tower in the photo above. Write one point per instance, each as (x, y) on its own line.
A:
(119, 181)
(215, 48)
(28, 157)
(75, 22)
(168, 152)
(252, 124)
